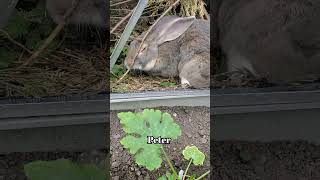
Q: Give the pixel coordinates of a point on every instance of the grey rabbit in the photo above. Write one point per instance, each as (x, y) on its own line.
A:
(278, 40)
(91, 12)
(176, 47)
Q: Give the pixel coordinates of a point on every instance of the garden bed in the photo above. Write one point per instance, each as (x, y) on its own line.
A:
(285, 160)
(266, 133)
(194, 122)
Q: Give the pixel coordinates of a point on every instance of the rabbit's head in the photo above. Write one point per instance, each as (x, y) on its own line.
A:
(167, 29)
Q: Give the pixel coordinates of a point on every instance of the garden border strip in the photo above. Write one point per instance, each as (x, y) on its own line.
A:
(54, 123)
(126, 101)
(266, 115)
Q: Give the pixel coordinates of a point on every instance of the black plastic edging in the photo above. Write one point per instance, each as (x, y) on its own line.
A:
(54, 123)
(263, 115)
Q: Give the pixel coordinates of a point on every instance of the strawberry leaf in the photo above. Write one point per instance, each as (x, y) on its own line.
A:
(139, 126)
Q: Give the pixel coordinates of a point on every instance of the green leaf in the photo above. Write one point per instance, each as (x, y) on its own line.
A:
(34, 41)
(162, 178)
(148, 123)
(194, 154)
(168, 176)
(118, 70)
(193, 177)
(17, 26)
(62, 169)
(168, 84)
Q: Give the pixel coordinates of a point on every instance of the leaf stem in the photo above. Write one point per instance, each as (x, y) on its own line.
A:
(184, 176)
(169, 162)
(203, 175)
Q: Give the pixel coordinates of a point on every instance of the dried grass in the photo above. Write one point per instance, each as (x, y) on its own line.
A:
(64, 72)
(142, 83)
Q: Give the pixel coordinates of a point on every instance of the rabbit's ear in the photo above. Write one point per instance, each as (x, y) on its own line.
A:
(172, 29)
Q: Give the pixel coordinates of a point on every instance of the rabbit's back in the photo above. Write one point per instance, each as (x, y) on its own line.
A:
(194, 65)
(196, 40)
(279, 40)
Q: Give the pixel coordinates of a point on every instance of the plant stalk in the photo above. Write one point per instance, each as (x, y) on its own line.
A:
(184, 176)
(169, 162)
(203, 175)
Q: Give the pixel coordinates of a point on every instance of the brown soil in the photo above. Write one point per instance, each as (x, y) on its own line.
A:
(195, 125)
(297, 160)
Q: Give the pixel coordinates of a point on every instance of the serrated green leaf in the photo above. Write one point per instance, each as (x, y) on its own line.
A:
(192, 152)
(148, 123)
(62, 169)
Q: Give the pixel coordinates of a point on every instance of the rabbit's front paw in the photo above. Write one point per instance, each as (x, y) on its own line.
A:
(184, 82)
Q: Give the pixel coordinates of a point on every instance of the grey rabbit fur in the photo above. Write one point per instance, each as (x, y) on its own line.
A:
(176, 47)
(90, 12)
(278, 40)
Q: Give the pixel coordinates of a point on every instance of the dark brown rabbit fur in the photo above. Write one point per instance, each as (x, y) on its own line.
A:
(274, 39)
(176, 47)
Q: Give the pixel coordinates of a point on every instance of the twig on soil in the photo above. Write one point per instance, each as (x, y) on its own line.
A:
(124, 75)
(54, 33)
(145, 36)
(14, 41)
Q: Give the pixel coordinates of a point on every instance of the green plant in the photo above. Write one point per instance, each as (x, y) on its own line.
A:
(168, 84)
(154, 123)
(62, 169)
(29, 29)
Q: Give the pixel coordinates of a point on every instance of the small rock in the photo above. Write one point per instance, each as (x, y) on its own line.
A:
(115, 178)
(188, 135)
(147, 177)
(131, 168)
(138, 173)
(116, 136)
(115, 165)
(202, 132)
(174, 114)
(203, 140)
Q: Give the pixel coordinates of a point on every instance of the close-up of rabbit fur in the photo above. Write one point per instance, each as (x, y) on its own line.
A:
(271, 39)
(175, 47)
